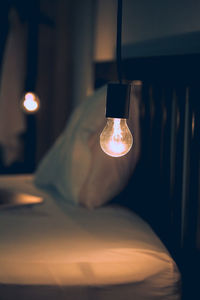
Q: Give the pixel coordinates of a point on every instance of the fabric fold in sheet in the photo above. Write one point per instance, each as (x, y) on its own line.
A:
(55, 249)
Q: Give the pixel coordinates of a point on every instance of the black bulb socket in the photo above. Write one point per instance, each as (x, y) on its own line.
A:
(118, 100)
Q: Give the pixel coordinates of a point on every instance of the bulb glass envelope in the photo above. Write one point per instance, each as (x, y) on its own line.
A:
(116, 139)
(30, 103)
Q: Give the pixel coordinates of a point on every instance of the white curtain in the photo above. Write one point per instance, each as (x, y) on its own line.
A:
(83, 45)
(65, 70)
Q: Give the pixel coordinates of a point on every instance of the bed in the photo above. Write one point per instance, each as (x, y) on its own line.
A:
(135, 245)
(54, 250)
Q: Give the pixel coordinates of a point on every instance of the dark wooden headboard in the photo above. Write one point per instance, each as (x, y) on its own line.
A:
(165, 183)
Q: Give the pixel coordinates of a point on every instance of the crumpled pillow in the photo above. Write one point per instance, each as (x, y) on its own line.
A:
(77, 167)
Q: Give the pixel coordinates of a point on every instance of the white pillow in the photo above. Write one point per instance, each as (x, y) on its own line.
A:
(77, 167)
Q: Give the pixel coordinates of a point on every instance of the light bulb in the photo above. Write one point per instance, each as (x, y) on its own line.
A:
(116, 139)
(30, 103)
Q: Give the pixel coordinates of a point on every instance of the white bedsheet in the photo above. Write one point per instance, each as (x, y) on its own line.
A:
(58, 251)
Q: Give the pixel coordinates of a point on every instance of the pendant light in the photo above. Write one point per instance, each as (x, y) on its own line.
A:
(116, 139)
(30, 102)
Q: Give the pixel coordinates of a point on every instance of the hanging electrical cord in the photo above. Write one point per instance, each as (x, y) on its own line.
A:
(119, 41)
(116, 139)
(30, 102)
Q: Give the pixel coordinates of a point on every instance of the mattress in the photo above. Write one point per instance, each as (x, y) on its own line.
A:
(55, 250)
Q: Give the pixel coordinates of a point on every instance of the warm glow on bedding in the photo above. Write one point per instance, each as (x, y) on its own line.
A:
(110, 253)
(108, 267)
